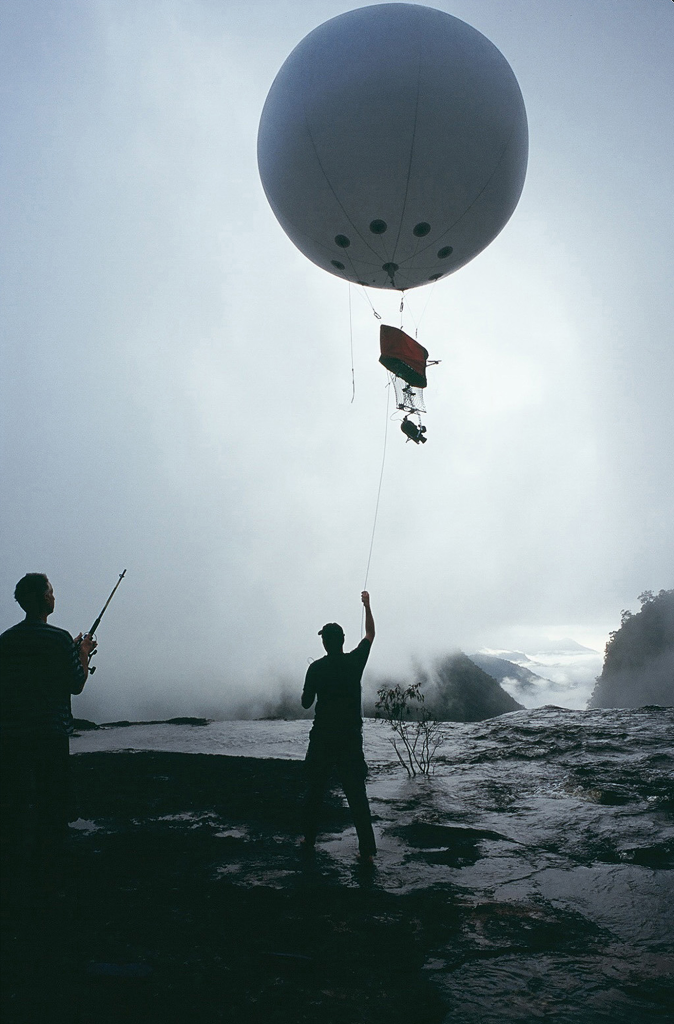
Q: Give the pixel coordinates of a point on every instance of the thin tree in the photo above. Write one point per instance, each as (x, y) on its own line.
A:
(416, 732)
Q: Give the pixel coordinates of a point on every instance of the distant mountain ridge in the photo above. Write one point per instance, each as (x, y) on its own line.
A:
(84, 725)
(500, 669)
(461, 691)
(567, 645)
(457, 690)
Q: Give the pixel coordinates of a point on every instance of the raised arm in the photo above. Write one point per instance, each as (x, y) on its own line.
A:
(369, 621)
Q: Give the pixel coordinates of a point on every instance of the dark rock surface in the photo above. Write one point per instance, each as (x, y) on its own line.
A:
(529, 877)
(125, 723)
(84, 725)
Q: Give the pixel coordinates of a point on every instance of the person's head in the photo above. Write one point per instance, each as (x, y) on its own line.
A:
(333, 637)
(35, 595)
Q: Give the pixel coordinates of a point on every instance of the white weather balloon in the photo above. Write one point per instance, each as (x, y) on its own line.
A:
(393, 145)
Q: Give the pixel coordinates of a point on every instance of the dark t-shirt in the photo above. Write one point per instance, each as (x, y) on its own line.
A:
(39, 670)
(334, 681)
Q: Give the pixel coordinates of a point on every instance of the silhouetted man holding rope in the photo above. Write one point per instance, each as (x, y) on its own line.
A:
(336, 739)
(40, 667)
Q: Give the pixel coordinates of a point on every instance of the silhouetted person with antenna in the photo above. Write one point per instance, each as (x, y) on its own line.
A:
(336, 739)
(40, 667)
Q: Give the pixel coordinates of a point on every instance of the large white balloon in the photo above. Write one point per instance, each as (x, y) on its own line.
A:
(393, 145)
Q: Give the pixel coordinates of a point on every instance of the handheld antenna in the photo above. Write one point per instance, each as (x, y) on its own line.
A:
(96, 624)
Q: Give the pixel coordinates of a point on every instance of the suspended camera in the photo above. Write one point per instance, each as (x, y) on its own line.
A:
(413, 431)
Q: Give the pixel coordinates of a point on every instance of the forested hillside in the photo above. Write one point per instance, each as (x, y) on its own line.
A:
(639, 662)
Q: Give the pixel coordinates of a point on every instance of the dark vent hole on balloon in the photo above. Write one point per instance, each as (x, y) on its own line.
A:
(390, 268)
(336, 263)
(421, 229)
(445, 252)
(342, 241)
(435, 277)
(378, 227)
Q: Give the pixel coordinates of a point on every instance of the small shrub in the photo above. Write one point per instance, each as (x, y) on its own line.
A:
(416, 732)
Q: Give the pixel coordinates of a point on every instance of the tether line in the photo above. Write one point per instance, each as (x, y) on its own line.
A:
(353, 372)
(376, 508)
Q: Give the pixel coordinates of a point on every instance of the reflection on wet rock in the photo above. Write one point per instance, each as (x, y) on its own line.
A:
(443, 844)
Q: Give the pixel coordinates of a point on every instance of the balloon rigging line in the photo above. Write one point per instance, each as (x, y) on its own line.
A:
(347, 256)
(369, 301)
(365, 241)
(353, 372)
(471, 204)
(477, 197)
(428, 299)
(376, 508)
(409, 166)
(417, 323)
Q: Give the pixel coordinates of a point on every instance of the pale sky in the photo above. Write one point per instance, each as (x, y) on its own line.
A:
(176, 385)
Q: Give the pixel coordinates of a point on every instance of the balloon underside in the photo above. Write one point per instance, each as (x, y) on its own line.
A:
(393, 145)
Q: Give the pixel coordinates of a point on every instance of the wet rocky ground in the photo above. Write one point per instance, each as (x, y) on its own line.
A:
(510, 888)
